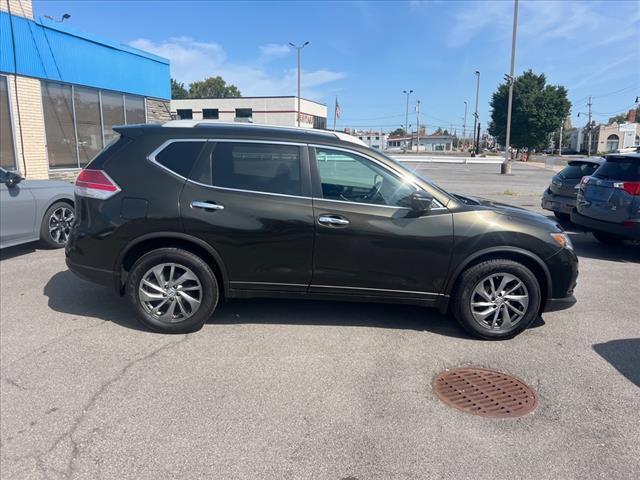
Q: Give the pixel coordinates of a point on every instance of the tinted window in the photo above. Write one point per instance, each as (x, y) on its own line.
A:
(210, 113)
(252, 166)
(7, 149)
(184, 113)
(620, 168)
(180, 156)
(349, 177)
(578, 170)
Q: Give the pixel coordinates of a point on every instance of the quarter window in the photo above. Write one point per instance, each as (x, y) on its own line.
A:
(7, 147)
(180, 156)
(252, 166)
(349, 177)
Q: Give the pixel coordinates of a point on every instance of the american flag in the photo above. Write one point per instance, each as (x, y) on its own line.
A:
(338, 111)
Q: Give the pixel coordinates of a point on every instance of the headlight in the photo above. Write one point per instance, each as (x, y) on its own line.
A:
(562, 239)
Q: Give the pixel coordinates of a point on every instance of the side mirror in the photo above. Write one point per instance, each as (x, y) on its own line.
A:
(419, 201)
(12, 179)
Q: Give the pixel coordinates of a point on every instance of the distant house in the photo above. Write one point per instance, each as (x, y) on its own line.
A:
(605, 138)
(377, 140)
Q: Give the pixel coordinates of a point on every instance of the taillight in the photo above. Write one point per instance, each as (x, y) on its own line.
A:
(632, 188)
(95, 184)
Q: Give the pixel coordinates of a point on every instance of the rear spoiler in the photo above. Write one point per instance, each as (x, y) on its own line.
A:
(134, 130)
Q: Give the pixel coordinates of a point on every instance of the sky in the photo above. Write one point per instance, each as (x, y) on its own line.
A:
(366, 53)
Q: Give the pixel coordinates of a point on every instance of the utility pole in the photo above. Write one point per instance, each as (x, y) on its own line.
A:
(589, 131)
(418, 126)
(464, 125)
(299, 49)
(406, 114)
(560, 140)
(478, 137)
(505, 168)
(475, 115)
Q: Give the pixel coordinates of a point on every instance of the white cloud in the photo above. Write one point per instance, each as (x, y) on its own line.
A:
(272, 50)
(192, 60)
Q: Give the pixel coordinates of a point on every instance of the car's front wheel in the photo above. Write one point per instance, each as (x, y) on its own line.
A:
(56, 225)
(496, 299)
(173, 290)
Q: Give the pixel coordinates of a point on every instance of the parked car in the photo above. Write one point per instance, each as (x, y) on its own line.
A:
(560, 197)
(609, 200)
(179, 216)
(34, 210)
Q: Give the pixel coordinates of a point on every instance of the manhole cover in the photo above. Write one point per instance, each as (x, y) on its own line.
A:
(485, 392)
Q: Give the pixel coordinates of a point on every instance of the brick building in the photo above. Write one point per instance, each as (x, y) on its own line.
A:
(61, 91)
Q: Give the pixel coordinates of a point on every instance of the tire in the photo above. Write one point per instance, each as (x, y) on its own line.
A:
(477, 277)
(562, 216)
(173, 307)
(56, 225)
(607, 238)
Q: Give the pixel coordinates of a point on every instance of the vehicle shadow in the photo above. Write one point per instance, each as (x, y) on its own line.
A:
(69, 294)
(587, 246)
(16, 251)
(623, 355)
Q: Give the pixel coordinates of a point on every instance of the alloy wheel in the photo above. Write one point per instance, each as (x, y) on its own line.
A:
(499, 301)
(171, 292)
(60, 223)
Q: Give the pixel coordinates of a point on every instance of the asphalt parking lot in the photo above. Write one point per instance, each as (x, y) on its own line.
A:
(309, 390)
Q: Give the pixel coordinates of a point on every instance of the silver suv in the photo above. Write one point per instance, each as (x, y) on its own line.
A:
(609, 200)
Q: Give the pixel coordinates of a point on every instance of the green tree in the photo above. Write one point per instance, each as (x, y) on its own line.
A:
(538, 110)
(178, 90)
(397, 132)
(213, 87)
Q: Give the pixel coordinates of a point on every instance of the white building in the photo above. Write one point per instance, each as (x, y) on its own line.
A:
(377, 140)
(428, 143)
(268, 110)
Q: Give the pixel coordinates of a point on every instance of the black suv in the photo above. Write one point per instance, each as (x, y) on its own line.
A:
(180, 215)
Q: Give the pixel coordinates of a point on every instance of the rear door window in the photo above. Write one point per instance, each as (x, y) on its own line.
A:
(258, 167)
(620, 168)
(179, 156)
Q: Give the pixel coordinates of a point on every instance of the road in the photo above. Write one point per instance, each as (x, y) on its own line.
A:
(311, 390)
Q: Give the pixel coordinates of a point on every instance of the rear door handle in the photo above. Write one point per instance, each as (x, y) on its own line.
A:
(206, 205)
(333, 220)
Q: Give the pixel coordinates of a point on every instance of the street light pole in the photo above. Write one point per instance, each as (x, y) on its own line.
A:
(464, 126)
(505, 168)
(406, 114)
(475, 115)
(299, 48)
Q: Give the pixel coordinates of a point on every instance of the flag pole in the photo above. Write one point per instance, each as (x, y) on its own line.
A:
(335, 113)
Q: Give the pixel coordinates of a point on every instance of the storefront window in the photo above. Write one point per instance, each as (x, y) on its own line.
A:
(7, 145)
(135, 109)
(112, 114)
(87, 103)
(58, 118)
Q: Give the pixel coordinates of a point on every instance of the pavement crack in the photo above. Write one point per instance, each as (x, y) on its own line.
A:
(71, 431)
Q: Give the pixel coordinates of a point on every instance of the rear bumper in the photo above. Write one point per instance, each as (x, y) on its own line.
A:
(631, 232)
(94, 275)
(558, 203)
(556, 304)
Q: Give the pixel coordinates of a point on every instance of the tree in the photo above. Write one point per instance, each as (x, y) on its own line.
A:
(213, 87)
(538, 110)
(438, 131)
(178, 90)
(398, 132)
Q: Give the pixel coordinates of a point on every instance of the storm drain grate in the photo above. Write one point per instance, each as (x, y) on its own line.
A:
(485, 392)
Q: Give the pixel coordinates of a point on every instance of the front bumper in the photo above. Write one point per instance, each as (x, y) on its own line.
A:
(558, 203)
(631, 232)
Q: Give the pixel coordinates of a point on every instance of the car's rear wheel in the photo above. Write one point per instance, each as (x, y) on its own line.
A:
(496, 299)
(607, 238)
(56, 225)
(173, 290)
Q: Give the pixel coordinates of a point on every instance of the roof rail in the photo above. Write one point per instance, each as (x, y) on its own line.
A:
(211, 123)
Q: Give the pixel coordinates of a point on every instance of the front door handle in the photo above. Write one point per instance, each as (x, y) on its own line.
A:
(333, 220)
(206, 205)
